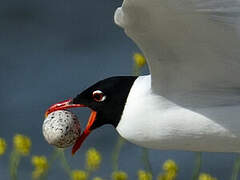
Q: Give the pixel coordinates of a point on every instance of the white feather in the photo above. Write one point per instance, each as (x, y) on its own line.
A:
(192, 47)
(152, 121)
(192, 99)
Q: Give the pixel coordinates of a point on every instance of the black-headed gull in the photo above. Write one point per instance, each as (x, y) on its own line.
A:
(191, 99)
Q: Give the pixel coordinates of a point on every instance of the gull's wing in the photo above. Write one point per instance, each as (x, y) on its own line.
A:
(192, 47)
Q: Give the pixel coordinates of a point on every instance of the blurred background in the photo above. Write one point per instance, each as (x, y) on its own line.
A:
(52, 50)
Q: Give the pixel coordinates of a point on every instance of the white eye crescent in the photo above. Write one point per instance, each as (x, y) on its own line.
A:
(98, 96)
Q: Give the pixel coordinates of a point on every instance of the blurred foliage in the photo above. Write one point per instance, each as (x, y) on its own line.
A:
(93, 159)
(97, 178)
(204, 176)
(170, 169)
(21, 147)
(3, 146)
(22, 144)
(143, 175)
(40, 164)
(198, 164)
(79, 175)
(139, 60)
(119, 175)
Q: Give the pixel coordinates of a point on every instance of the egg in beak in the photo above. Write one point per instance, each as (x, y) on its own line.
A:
(67, 104)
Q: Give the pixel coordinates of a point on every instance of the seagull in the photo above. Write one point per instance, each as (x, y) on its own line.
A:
(191, 98)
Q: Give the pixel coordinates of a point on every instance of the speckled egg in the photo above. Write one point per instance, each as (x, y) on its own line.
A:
(61, 128)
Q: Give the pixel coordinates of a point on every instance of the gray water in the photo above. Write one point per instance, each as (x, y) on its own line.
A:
(52, 50)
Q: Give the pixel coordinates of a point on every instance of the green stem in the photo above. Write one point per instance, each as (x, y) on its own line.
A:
(15, 159)
(198, 163)
(146, 162)
(89, 173)
(64, 162)
(52, 158)
(236, 168)
(116, 152)
(136, 70)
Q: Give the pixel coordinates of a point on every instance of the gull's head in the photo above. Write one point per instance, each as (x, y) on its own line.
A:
(106, 99)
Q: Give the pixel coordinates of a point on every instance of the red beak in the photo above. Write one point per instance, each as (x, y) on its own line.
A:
(62, 106)
(66, 105)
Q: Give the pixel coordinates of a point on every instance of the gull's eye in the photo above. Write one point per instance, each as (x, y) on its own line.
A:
(98, 96)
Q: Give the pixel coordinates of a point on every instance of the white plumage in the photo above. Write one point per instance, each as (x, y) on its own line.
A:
(191, 100)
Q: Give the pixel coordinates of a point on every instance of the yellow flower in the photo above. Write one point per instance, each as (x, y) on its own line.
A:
(170, 166)
(161, 177)
(143, 175)
(97, 178)
(139, 59)
(40, 164)
(93, 159)
(37, 173)
(79, 175)
(204, 176)
(3, 146)
(170, 175)
(119, 175)
(171, 169)
(22, 144)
